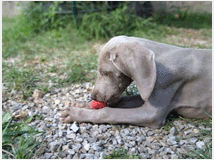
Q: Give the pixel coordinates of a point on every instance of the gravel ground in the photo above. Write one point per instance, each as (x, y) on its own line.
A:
(88, 141)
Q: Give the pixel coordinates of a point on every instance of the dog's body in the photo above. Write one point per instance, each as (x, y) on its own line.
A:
(169, 78)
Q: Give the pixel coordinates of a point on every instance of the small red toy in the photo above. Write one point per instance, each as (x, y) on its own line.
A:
(97, 104)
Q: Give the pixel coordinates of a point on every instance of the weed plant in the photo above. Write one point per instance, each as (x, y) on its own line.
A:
(18, 140)
(121, 154)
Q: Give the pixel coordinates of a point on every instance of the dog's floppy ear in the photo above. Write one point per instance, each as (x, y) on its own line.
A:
(138, 63)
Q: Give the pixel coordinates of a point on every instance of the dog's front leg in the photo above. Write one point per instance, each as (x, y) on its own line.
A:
(145, 115)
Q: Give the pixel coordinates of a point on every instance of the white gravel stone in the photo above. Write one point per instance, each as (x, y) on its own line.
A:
(173, 131)
(71, 151)
(71, 135)
(179, 125)
(48, 155)
(54, 146)
(165, 157)
(74, 127)
(200, 144)
(46, 108)
(147, 144)
(187, 132)
(96, 147)
(102, 154)
(37, 94)
(132, 151)
(171, 140)
(142, 156)
(57, 101)
(193, 140)
(153, 152)
(168, 150)
(150, 133)
(87, 147)
(195, 130)
(111, 148)
(174, 156)
(62, 133)
(182, 142)
(25, 107)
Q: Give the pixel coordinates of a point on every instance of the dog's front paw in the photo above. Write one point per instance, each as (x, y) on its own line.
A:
(66, 115)
(78, 111)
(73, 113)
(70, 114)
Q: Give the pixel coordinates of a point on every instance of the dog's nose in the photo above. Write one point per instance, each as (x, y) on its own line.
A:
(96, 95)
(93, 95)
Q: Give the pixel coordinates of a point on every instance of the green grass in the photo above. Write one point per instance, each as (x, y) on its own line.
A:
(205, 153)
(24, 79)
(18, 140)
(169, 122)
(51, 50)
(121, 154)
(200, 153)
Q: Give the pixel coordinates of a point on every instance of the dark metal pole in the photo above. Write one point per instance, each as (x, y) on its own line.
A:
(75, 12)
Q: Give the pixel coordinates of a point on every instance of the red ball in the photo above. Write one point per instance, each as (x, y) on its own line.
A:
(97, 104)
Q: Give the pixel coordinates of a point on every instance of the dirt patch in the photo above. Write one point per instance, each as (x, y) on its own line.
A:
(190, 38)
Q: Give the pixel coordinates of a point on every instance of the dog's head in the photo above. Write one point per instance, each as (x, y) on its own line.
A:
(120, 62)
(111, 82)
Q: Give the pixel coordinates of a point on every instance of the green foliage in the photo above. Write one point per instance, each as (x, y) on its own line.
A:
(17, 138)
(121, 154)
(33, 20)
(118, 22)
(43, 19)
(91, 6)
(185, 19)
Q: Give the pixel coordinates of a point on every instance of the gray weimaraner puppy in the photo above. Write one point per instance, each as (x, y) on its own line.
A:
(168, 78)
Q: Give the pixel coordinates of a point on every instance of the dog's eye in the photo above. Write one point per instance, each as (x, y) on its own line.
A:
(104, 73)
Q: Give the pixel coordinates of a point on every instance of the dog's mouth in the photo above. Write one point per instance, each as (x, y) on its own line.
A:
(109, 101)
(113, 100)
